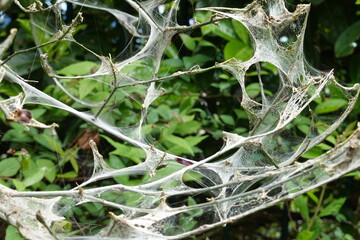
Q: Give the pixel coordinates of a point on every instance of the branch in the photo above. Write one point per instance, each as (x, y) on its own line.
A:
(215, 18)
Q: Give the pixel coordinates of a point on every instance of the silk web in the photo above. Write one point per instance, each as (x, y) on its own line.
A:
(192, 195)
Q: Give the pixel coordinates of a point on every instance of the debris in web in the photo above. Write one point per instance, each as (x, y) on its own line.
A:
(13, 109)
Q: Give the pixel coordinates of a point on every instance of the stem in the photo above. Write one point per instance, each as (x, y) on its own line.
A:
(105, 102)
(36, 10)
(112, 91)
(42, 220)
(177, 74)
(258, 69)
(268, 156)
(195, 26)
(318, 206)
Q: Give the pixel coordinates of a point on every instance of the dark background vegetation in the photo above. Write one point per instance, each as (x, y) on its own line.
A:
(214, 101)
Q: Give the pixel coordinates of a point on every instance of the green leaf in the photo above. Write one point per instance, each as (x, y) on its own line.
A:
(312, 153)
(2, 182)
(132, 199)
(238, 50)
(9, 167)
(268, 66)
(241, 114)
(303, 128)
(241, 31)
(152, 117)
(347, 236)
(142, 69)
(96, 209)
(48, 167)
(191, 140)
(163, 172)
(300, 119)
(204, 43)
(86, 86)
(253, 89)
(20, 186)
(78, 69)
(194, 140)
(70, 174)
(25, 24)
(224, 30)
(221, 85)
(353, 174)
(227, 119)
(305, 235)
(63, 226)
(164, 111)
(346, 43)
(331, 139)
(171, 51)
(116, 163)
(69, 155)
(316, 228)
(12, 233)
(180, 142)
(34, 178)
(134, 154)
(330, 105)
(187, 128)
(185, 118)
(36, 113)
(240, 130)
(197, 59)
(301, 203)
(170, 65)
(16, 135)
(333, 208)
(340, 217)
(187, 104)
(312, 195)
(188, 41)
(50, 143)
(324, 146)
(203, 16)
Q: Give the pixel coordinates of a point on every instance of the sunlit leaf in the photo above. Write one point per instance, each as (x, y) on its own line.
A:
(330, 105)
(241, 31)
(301, 203)
(238, 50)
(188, 41)
(70, 174)
(253, 90)
(12, 233)
(312, 153)
(333, 207)
(180, 142)
(227, 119)
(9, 167)
(48, 167)
(35, 177)
(78, 69)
